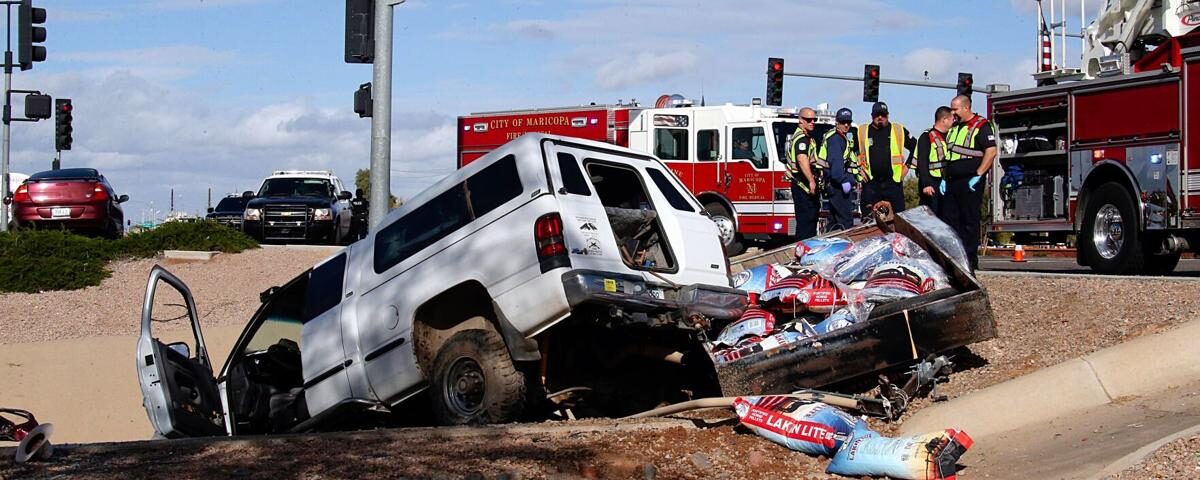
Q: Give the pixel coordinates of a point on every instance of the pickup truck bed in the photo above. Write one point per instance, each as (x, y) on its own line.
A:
(894, 334)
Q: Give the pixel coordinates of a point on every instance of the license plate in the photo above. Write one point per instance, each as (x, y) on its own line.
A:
(60, 212)
(657, 293)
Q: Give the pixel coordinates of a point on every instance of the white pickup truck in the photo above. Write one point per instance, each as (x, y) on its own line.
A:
(551, 272)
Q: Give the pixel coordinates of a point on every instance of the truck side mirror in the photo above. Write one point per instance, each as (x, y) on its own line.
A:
(210, 209)
(181, 348)
(123, 199)
(345, 195)
(247, 194)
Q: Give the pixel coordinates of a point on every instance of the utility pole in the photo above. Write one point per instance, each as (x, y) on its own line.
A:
(209, 199)
(172, 199)
(381, 114)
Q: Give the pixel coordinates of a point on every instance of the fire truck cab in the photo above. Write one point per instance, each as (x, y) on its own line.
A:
(730, 157)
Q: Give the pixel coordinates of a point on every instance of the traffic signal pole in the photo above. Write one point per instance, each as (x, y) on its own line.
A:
(915, 83)
(8, 64)
(381, 114)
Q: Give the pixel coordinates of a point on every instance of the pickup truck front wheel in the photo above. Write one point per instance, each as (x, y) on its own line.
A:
(475, 382)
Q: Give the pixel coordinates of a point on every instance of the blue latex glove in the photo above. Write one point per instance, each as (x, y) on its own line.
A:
(973, 182)
(846, 187)
(942, 187)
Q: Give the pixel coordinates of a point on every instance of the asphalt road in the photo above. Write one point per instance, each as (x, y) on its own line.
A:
(1188, 267)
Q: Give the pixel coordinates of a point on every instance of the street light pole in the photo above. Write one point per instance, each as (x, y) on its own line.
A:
(7, 113)
(381, 114)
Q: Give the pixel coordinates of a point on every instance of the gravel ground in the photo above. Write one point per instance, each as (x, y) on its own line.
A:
(225, 288)
(1179, 459)
(1042, 322)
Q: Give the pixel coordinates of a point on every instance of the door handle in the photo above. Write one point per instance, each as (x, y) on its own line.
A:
(728, 179)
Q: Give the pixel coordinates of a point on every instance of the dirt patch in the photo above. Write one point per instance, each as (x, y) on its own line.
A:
(226, 290)
(1178, 459)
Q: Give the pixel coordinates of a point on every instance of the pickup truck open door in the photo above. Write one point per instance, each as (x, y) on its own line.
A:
(178, 388)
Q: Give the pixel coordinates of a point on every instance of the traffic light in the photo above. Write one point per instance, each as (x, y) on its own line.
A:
(62, 124)
(965, 82)
(360, 31)
(871, 83)
(362, 100)
(775, 81)
(28, 34)
(37, 106)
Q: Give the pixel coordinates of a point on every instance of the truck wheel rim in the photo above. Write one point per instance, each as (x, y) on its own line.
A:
(464, 387)
(1108, 233)
(725, 228)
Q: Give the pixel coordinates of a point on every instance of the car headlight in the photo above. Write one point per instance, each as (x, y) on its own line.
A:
(253, 214)
(323, 214)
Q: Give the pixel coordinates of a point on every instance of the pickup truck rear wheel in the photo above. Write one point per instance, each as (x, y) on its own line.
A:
(474, 381)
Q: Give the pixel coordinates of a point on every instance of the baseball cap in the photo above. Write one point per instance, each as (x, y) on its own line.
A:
(845, 115)
(879, 108)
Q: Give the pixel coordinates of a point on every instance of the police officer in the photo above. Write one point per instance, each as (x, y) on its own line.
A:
(806, 177)
(931, 157)
(835, 155)
(972, 142)
(881, 159)
(359, 208)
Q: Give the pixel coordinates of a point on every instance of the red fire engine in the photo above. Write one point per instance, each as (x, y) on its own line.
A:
(1110, 153)
(728, 156)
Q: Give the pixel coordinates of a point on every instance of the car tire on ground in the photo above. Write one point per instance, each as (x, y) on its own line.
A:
(1109, 237)
(1161, 264)
(724, 221)
(474, 381)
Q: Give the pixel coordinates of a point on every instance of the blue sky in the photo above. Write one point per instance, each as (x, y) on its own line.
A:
(194, 94)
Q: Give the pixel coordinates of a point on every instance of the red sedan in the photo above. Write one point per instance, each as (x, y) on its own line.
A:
(79, 199)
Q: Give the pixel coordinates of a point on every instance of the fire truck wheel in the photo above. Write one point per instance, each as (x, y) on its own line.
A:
(475, 382)
(726, 226)
(1110, 235)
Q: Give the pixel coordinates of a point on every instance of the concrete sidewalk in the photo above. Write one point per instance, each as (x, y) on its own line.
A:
(1075, 419)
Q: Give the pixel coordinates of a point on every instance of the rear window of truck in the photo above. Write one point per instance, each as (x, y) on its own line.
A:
(676, 199)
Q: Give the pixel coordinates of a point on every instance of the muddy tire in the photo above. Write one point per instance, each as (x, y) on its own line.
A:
(1110, 234)
(728, 229)
(474, 381)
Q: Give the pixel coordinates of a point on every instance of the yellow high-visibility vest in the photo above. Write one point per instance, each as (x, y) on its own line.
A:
(896, 139)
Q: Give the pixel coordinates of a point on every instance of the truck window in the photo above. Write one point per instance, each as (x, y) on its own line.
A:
(708, 145)
(324, 287)
(783, 137)
(421, 228)
(282, 319)
(493, 186)
(572, 176)
(671, 143)
(750, 143)
(676, 199)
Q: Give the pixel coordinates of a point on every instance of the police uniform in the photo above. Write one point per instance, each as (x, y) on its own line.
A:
(807, 204)
(967, 141)
(930, 158)
(835, 154)
(359, 209)
(881, 161)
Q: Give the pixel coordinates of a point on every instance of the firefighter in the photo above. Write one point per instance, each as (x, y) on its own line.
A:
(835, 155)
(881, 159)
(930, 156)
(805, 175)
(359, 208)
(972, 142)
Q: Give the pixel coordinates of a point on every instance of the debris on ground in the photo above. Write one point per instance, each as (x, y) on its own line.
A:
(33, 439)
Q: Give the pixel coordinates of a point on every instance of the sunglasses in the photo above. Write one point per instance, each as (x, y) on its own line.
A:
(844, 123)
(809, 119)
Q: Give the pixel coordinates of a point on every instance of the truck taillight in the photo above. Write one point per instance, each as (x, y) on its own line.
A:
(548, 239)
(21, 195)
(98, 193)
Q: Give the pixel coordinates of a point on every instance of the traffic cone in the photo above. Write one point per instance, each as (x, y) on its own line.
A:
(1018, 254)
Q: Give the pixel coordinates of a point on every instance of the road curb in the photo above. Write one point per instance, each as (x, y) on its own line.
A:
(1019, 273)
(1140, 454)
(192, 255)
(1138, 367)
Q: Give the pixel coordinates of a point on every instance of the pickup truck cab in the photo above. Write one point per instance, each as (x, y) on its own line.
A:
(552, 273)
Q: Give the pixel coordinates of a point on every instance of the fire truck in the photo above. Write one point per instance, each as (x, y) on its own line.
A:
(729, 156)
(1109, 152)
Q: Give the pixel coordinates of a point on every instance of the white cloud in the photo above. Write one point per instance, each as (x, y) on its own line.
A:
(620, 73)
(192, 4)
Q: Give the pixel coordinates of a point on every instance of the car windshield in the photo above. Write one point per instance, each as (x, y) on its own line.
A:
(231, 204)
(296, 187)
